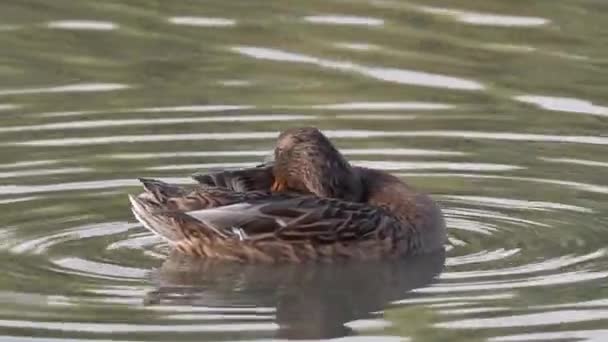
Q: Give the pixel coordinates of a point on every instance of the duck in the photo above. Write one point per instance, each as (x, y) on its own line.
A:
(308, 204)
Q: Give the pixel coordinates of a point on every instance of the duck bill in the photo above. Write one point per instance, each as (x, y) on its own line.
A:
(278, 186)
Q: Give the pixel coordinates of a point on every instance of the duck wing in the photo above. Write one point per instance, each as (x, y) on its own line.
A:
(188, 198)
(257, 216)
(296, 218)
(258, 178)
(216, 222)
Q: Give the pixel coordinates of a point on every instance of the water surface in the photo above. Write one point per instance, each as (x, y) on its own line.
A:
(497, 108)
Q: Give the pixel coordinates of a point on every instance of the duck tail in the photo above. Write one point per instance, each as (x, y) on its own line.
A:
(160, 191)
(150, 215)
(173, 226)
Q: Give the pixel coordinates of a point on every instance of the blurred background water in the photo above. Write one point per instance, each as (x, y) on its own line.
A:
(496, 108)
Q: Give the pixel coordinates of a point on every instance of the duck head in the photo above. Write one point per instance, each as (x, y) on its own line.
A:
(306, 161)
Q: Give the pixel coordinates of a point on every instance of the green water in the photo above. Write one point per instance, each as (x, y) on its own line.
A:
(496, 108)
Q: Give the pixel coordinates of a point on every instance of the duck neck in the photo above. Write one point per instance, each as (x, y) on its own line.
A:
(334, 178)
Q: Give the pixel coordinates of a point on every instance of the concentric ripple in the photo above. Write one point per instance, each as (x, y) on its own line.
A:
(496, 110)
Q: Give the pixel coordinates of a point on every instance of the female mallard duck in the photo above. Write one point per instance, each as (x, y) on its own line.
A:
(310, 204)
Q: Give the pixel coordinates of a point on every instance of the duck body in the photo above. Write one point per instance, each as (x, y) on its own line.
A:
(275, 214)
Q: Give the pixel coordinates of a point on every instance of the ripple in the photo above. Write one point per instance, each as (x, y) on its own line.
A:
(386, 165)
(360, 134)
(192, 108)
(525, 253)
(28, 164)
(87, 185)
(235, 83)
(264, 153)
(42, 244)
(587, 304)
(507, 203)
(394, 75)
(19, 199)
(407, 91)
(204, 166)
(156, 121)
(469, 311)
(92, 327)
(44, 172)
(69, 113)
(50, 339)
(385, 106)
(185, 109)
(596, 140)
(471, 225)
(138, 243)
(544, 281)
(274, 55)
(575, 161)
(256, 310)
(71, 88)
(24, 189)
(375, 117)
(85, 25)
(444, 299)
(357, 46)
(202, 21)
(366, 338)
(501, 20)
(8, 106)
(400, 152)
(148, 138)
(546, 265)
(590, 335)
(487, 19)
(593, 188)
(188, 154)
(419, 78)
(344, 20)
(218, 317)
(483, 256)
(564, 104)
(528, 320)
(491, 214)
(510, 47)
(88, 268)
(367, 324)
(364, 163)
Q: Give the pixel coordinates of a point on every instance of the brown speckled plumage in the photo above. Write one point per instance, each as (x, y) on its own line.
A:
(310, 204)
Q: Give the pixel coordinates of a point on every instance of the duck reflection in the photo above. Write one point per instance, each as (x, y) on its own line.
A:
(311, 300)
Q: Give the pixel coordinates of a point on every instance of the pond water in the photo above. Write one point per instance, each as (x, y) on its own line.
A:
(498, 109)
